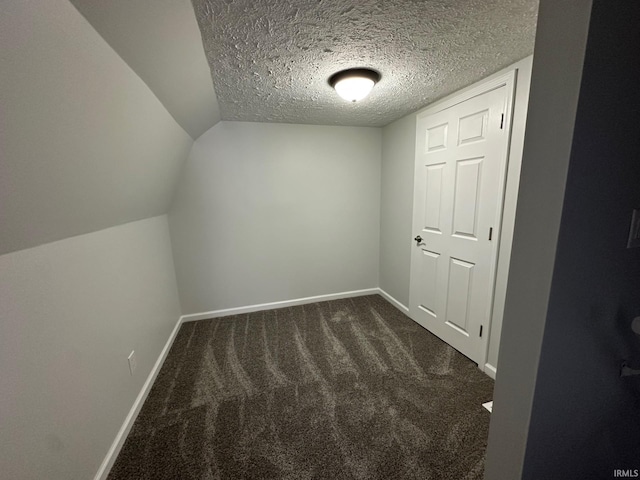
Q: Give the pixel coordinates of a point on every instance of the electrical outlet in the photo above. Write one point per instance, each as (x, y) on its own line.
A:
(634, 231)
(133, 363)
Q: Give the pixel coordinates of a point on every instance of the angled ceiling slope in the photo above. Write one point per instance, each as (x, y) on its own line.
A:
(161, 42)
(84, 143)
(271, 58)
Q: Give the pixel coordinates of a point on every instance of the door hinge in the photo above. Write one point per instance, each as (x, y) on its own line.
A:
(480, 330)
(490, 233)
(502, 122)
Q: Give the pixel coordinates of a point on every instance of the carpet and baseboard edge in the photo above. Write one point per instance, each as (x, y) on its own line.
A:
(273, 305)
(116, 446)
(400, 306)
(130, 419)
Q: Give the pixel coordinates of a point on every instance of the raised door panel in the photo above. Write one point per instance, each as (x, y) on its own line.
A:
(459, 294)
(466, 197)
(436, 138)
(429, 282)
(433, 197)
(472, 128)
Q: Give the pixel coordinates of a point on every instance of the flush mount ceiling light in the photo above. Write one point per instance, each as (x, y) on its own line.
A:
(354, 84)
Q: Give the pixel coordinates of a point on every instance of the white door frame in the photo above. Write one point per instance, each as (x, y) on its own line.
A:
(508, 80)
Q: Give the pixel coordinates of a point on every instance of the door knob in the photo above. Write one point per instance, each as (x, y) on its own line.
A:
(418, 240)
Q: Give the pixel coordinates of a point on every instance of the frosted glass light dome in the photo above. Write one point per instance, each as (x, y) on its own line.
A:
(353, 89)
(354, 84)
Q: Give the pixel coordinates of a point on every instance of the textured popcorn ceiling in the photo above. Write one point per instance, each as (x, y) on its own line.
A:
(270, 59)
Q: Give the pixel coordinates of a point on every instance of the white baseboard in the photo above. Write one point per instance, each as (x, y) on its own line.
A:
(192, 317)
(116, 446)
(403, 308)
(490, 370)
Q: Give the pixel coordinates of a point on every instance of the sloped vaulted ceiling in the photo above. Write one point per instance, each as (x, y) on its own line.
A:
(84, 143)
(93, 134)
(161, 42)
(271, 58)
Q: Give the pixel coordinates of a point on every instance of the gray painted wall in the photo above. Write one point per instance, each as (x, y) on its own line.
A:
(70, 313)
(396, 206)
(555, 85)
(595, 288)
(270, 212)
(84, 143)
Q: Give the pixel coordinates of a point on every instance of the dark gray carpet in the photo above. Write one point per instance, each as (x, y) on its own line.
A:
(346, 389)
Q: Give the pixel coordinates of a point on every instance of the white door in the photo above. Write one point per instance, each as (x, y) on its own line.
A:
(461, 156)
